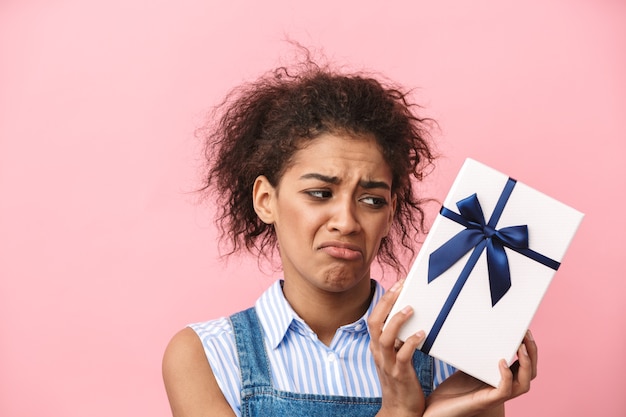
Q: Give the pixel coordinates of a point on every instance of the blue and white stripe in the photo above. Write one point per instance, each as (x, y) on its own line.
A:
(299, 361)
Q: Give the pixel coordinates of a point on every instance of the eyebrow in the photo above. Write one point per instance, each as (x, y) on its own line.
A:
(335, 180)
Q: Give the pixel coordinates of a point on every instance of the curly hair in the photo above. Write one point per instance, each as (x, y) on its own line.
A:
(260, 125)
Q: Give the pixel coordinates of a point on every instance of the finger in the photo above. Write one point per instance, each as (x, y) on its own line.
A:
(533, 353)
(524, 373)
(506, 380)
(388, 336)
(382, 309)
(405, 353)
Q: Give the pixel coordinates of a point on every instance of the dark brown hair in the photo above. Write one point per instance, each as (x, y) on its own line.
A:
(260, 125)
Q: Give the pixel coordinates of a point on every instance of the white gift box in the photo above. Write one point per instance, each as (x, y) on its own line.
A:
(466, 326)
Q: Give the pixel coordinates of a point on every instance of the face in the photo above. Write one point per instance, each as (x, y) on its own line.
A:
(330, 211)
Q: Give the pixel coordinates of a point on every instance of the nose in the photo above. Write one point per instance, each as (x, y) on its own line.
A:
(343, 217)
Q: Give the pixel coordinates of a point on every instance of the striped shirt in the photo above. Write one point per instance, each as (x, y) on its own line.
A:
(299, 361)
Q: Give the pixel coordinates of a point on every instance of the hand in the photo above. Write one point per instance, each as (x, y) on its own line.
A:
(401, 389)
(463, 395)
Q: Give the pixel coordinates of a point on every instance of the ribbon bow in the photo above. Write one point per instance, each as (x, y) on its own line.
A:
(477, 231)
(477, 235)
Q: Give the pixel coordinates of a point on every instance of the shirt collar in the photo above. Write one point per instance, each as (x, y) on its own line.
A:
(276, 315)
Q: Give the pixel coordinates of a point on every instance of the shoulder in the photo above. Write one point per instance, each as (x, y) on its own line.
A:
(214, 329)
(218, 343)
(183, 352)
(189, 379)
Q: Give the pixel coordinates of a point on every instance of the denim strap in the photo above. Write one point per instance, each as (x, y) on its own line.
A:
(253, 361)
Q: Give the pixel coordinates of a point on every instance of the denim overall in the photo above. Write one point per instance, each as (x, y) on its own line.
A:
(260, 399)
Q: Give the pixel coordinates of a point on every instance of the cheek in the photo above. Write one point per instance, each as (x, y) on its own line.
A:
(387, 228)
(383, 223)
(297, 223)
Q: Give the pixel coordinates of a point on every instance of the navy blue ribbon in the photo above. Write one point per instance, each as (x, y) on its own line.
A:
(477, 236)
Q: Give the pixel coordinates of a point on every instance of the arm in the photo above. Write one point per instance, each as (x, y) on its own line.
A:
(189, 381)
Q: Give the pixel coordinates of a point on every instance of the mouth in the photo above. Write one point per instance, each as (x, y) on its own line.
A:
(341, 250)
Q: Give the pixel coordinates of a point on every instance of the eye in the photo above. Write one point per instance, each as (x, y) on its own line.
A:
(319, 194)
(375, 202)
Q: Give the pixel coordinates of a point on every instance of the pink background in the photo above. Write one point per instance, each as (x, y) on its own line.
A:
(104, 255)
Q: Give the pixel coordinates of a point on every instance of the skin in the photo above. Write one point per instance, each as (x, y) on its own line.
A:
(330, 210)
(460, 394)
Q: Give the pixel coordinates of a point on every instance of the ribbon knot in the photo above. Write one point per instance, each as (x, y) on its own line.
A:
(479, 233)
(489, 231)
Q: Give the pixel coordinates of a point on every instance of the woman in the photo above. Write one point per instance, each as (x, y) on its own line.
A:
(320, 166)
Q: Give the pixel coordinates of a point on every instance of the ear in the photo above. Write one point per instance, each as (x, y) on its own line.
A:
(263, 195)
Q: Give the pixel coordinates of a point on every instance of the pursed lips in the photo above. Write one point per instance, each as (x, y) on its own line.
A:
(341, 250)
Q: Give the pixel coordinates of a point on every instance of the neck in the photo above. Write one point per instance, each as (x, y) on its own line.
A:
(326, 311)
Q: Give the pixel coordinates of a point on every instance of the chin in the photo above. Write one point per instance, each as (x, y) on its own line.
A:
(341, 278)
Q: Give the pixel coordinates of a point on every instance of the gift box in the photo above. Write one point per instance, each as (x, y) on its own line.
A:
(484, 268)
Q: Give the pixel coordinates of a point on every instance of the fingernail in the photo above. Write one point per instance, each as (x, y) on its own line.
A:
(524, 351)
(407, 310)
(420, 334)
(395, 287)
(530, 336)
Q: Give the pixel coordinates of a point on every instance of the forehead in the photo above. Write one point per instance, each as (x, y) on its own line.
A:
(344, 155)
